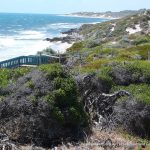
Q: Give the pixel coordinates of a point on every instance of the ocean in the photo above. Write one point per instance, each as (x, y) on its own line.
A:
(24, 34)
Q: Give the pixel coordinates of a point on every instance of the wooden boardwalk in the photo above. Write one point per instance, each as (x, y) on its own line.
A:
(32, 60)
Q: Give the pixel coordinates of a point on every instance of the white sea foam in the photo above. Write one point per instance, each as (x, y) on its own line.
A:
(64, 25)
(27, 43)
(33, 48)
(6, 41)
(29, 34)
(21, 48)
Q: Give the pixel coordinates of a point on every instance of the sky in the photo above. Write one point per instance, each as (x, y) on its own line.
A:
(69, 6)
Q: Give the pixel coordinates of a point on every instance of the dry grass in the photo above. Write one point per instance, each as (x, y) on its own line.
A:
(100, 140)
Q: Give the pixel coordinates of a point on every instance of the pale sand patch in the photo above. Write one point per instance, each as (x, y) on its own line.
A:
(132, 31)
(114, 42)
(113, 28)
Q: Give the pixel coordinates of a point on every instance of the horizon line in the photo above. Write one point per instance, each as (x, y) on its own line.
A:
(46, 13)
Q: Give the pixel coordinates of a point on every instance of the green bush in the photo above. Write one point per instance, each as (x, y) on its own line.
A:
(11, 75)
(86, 70)
(52, 70)
(127, 55)
(1, 98)
(92, 44)
(58, 115)
(33, 100)
(60, 98)
(139, 69)
(139, 86)
(64, 102)
(96, 64)
(5, 76)
(142, 40)
(139, 91)
(30, 84)
(66, 92)
(74, 116)
(142, 50)
(19, 72)
(67, 84)
(50, 98)
(76, 47)
(105, 78)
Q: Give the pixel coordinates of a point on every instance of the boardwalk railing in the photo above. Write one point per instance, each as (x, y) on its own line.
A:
(33, 60)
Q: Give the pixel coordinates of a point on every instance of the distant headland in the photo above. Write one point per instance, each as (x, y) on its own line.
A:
(107, 14)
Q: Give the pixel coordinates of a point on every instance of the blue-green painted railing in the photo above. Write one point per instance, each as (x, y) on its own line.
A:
(26, 60)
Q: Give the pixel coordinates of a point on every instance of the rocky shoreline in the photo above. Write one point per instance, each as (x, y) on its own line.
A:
(69, 37)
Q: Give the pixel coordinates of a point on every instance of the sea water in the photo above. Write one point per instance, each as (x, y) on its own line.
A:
(24, 34)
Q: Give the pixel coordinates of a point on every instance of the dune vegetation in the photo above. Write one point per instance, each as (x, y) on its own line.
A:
(105, 80)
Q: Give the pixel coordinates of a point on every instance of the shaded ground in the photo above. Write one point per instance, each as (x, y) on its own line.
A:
(100, 140)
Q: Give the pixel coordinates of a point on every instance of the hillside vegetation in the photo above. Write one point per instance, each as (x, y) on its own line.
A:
(104, 85)
(117, 53)
(41, 105)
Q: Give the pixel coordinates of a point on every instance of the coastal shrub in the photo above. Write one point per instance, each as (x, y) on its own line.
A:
(11, 75)
(142, 50)
(74, 116)
(104, 52)
(105, 78)
(60, 98)
(127, 55)
(92, 43)
(131, 72)
(66, 92)
(19, 72)
(48, 103)
(141, 69)
(5, 76)
(58, 115)
(33, 100)
(52, 70)
(139, 91)
(76, 47)
(86, 70)
(141, 40)
(96, 64)
(107, 51)
(1, 98)
(47, 51)
(30, 84)
(90, 58)
(63, 99)
(50, 98)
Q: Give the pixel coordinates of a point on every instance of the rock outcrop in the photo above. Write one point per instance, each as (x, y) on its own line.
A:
(71, 36)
